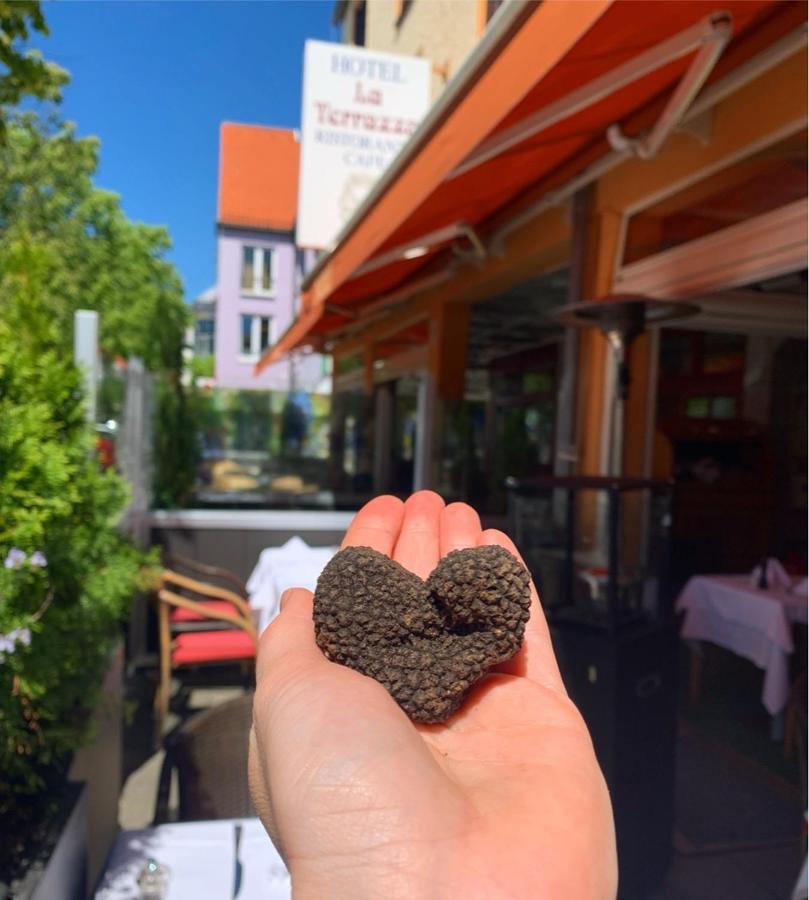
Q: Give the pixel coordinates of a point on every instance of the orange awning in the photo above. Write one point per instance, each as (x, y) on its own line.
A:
(519, 97)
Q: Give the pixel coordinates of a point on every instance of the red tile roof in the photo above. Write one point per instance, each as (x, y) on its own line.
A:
(258, 176)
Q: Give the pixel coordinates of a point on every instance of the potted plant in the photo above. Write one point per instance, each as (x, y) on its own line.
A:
(66, 578)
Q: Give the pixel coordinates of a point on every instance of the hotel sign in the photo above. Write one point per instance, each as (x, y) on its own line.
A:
(359, 109)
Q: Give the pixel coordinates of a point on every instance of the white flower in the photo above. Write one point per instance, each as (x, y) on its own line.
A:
(8, 642)
(37, 559)
(15, 558)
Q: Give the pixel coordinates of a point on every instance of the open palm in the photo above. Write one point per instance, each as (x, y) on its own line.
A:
(505, 799)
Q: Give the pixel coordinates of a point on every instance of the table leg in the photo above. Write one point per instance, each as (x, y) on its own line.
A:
(777, 725)
(695, 672)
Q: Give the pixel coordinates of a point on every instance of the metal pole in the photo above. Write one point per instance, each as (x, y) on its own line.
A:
(620, 391)
(85, 355)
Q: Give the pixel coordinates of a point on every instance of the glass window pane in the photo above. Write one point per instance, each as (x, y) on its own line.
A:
(697, 407)
(676, 353)
(247, 329)
(266, 271)
(247, 268)
(265, 333)
(723, 407)
(723, 352)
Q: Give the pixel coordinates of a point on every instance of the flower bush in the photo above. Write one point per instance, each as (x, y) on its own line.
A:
(67, 575)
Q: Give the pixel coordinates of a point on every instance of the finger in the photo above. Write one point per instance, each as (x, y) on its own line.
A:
(459, 527)
(376, 525)
(417, 546)
(291, 634)
(535, 659)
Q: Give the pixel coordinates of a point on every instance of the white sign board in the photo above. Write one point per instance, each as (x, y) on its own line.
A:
(359, 108)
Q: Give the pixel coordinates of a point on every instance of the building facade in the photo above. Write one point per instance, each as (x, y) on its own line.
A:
(444, 31)
(259, 269)
(451, 371)
(204, 313)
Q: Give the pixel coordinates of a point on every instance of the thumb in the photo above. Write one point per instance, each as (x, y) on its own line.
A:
(291, 635)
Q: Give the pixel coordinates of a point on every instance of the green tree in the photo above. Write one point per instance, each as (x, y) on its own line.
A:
(26, 73)
(90, 255)
(76, 245)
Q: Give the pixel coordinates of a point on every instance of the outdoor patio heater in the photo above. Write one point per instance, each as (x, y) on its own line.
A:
(598, 546)
(622, 318)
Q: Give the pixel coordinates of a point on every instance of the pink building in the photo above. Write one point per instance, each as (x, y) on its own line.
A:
(259, 269)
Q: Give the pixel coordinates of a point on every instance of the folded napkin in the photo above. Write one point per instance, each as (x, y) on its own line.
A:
(776, 575)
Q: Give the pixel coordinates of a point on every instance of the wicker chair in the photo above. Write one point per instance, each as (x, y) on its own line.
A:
(209, 755)
(203, 625)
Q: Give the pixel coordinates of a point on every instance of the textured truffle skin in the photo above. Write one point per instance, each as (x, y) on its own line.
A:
(426, 642)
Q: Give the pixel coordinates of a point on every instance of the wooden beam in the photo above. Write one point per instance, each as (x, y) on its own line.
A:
(446, 352)
(601, 245)
(368, 359)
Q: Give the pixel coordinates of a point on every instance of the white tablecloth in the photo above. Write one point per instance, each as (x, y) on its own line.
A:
(201, 859)
(295, 564)
(755, 624)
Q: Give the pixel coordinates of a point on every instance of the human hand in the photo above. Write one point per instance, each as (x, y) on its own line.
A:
(505, 799)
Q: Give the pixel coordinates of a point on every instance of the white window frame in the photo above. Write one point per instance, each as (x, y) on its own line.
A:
(255, 337)
(259, 254)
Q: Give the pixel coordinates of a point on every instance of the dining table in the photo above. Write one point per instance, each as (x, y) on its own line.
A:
(752, 622)
(226, 859)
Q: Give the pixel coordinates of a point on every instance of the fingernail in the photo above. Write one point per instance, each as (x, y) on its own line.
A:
(287, 596)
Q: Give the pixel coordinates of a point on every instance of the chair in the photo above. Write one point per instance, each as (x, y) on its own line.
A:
(209, 755)
(178, 563)
(211, 626)
(211, 596)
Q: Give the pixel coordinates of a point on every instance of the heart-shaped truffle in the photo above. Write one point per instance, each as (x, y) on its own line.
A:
(428, 641)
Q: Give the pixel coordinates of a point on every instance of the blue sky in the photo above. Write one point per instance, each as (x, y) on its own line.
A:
(153, 80)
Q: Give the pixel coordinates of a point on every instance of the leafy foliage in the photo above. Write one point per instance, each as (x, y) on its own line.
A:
(176, 443)
(88, 254)
(203, 366)
(26, 73)
(75, 243)
(58, 506)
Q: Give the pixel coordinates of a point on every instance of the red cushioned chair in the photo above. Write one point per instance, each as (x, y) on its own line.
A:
(210, 574)
(211, 596)
(213, 625)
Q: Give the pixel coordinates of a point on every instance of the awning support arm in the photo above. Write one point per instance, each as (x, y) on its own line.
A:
(702, 65)
(423, 245)
(588, 94)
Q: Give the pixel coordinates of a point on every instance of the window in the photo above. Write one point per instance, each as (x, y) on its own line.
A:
(358, 38)
(719, 407)
(257, 336)
(257, 274)
(204, 342)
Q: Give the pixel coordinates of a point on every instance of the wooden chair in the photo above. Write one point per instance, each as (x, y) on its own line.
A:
(211, 626)
(183, 564)
(211, 596)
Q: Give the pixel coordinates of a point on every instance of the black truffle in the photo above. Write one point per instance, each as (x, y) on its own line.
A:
(428, 641)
